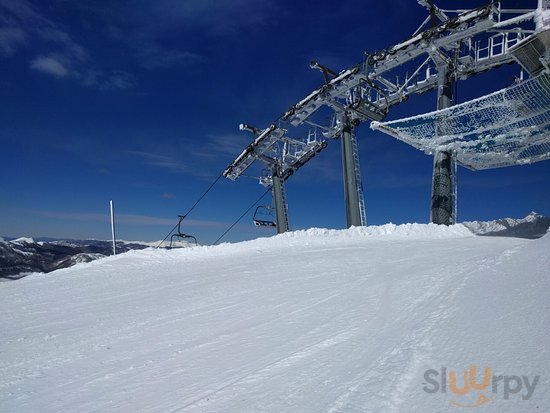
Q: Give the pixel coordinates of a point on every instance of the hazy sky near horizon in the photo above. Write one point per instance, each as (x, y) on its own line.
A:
(140, 102)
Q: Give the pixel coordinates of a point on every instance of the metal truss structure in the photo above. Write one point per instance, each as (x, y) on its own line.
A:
(282, 156)
(450, 45)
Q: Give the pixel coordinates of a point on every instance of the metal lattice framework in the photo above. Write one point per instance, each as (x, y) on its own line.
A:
(450, 45)
(276, 149)
(505, 128)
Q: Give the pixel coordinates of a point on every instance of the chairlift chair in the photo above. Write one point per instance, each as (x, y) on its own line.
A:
(264, 216)
(180, 234)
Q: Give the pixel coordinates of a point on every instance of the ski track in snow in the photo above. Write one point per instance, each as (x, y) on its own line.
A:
(315, 321)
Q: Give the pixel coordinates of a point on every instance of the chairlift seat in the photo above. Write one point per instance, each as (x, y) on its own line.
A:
(264, 216)
(181, 235)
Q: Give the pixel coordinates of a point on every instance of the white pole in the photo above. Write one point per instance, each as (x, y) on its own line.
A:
(113, 226)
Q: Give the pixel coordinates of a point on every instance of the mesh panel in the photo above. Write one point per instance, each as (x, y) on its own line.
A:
(508, 127)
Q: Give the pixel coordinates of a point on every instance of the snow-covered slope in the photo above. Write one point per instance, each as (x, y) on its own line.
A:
(311, 321)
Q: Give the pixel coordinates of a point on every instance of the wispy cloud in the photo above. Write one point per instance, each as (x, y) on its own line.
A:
(19, 9)
(156, 57)
(49, 65)
(168, 196)
(26, 24)
(323, 169)
(215, 17)
(161, 161)
(126, 219)
(140, 31)
(226, 145)
(24, 20)
(10, 39)
(116, 79)
(184, 165)
(64, 41)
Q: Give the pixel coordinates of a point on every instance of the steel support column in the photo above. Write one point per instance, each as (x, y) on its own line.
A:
(351, 195)
(441, 211)
(279, 202)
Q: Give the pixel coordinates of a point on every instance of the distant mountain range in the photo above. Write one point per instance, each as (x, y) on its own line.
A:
(532, 226)
(22, 256)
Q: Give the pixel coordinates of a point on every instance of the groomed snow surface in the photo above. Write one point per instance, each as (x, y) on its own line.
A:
(310, 321)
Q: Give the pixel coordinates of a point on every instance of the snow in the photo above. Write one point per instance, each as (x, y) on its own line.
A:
(159, 243)
(23, 240)
(85, 257)
(309, 321)
(542, 18)
(533, 225)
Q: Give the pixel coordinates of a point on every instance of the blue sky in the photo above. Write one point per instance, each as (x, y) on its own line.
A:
(140, 102)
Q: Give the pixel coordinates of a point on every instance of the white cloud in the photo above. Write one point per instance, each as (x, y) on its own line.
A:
(24, 23)
(50, 66)
(127, 219)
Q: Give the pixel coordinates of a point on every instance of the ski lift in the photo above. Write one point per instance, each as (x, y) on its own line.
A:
(181, 235)
(264, 216)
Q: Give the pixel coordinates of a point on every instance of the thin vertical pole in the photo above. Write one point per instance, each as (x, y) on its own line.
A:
(113, 226)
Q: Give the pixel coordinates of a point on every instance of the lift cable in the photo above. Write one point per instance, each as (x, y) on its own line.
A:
(241, 217)
(172, 230)
(182, 217)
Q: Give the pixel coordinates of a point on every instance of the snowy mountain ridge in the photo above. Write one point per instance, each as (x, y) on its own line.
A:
(23, 256)
(532, 226)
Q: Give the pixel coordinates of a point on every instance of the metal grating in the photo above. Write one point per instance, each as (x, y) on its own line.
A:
(504, 128)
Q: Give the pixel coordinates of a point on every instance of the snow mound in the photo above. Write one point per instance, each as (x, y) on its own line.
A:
(324, 236)
(418, 231)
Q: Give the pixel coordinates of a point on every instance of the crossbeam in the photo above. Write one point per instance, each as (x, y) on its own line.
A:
(374, 93)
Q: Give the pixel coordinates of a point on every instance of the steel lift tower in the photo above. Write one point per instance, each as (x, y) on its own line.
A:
(449, 46)
(282, 156)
